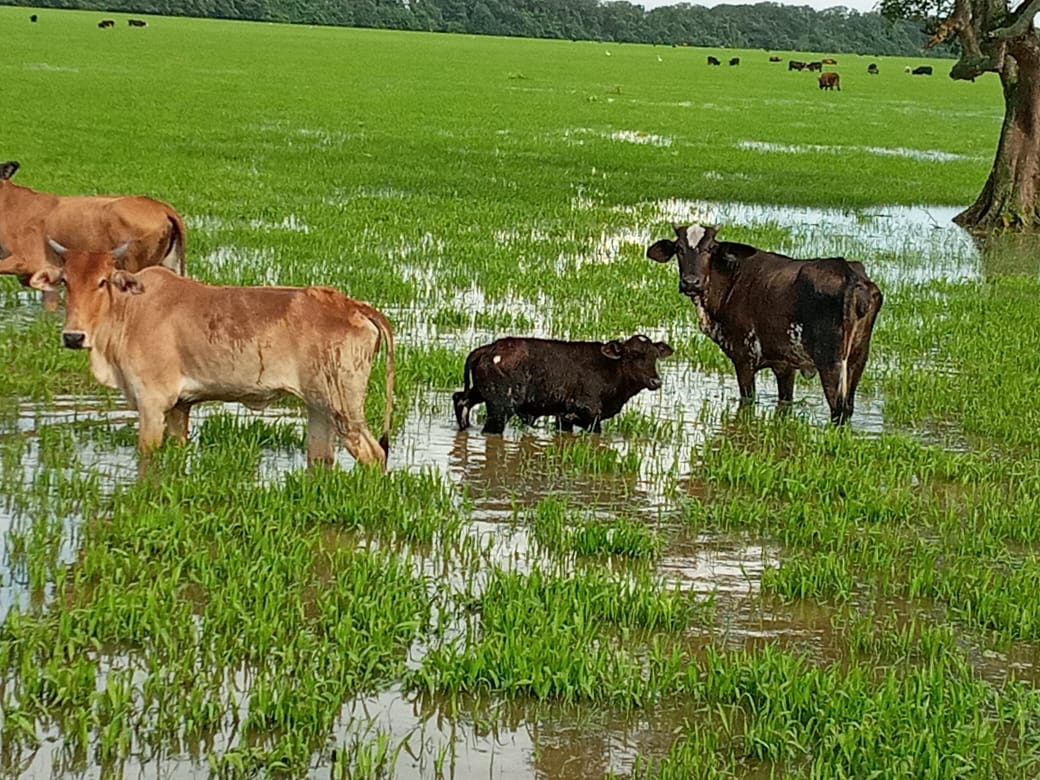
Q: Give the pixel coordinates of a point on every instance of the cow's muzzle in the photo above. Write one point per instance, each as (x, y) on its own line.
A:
(654, 383)
(691, 285)
(73, 339)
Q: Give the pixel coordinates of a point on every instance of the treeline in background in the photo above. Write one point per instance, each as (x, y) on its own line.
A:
(760, 26)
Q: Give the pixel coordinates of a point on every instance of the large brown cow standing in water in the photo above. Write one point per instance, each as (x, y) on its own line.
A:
(169, 342)
(153, 231)
(767, 310)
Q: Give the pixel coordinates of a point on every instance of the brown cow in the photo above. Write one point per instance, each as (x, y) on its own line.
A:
(137, 22)
(106, 23)
(155, 231)
(872, 69)
(795, 65)
(169, 342)
(830, 80)
(767, 310)
(774, 58)
(829, 61)
(814, 66)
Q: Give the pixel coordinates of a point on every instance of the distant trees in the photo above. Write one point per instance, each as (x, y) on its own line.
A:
(760, 26)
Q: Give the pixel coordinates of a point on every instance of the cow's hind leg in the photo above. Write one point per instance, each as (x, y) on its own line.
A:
(358, 439)
(321, 437)
(177, 421)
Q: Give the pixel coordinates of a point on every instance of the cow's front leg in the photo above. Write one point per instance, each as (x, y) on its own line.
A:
(151, 423)
(495, 422)
(745, 381)
(831, 378)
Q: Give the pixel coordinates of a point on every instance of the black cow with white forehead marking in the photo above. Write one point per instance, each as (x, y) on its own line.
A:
(767, 310)
(578, 382)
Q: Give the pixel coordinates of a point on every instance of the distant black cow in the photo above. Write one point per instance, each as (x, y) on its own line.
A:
(814, 66)
(106, 23)
(872, 69)
(137, 22)
(830, 80)
(713, 60)
(795, 65)
(577, 382)
(33, 18)
(734, 61)
(922, 70)
(767, 310)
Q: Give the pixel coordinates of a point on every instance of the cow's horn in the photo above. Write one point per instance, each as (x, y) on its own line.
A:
(120, 250)
(56, 246)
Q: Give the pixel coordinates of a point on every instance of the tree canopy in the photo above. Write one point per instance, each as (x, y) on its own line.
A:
(760, 26)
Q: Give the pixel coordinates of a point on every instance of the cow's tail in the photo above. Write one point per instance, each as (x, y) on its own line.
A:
(862, 299)
(387, 336)
(173, 257)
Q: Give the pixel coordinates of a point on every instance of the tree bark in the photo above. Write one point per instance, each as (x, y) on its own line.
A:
(1010, 197)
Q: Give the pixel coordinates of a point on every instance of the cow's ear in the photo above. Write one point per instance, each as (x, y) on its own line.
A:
(124, 281)
(46, 279)
(8, 169)
(663, 350)
(612, 350)
(662, 251)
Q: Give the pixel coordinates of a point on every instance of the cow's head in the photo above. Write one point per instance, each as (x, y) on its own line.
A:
(638, 358)
(693, 246)
(8, 169)
(91, 279)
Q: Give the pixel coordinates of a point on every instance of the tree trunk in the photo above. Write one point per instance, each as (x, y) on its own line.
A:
(1010, 197)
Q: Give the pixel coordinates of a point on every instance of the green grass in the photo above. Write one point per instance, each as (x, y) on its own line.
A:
(232, 614)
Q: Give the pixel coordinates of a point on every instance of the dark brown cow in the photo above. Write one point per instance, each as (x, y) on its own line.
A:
(774, 58)
(768, 310)
(168, 343)
(734, 61)
(922, 70)
(713, 60)
(795, 65)
(814, 66)
(137, 22)
(577, 382)
(872, 69)
(155, 231)
(830, 80)
(33, 18)
(104, 23)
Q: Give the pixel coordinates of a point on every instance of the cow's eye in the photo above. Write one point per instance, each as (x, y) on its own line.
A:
(101, 283)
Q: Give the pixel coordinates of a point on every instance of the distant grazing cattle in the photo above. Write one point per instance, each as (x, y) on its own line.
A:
(830, 80)
(734, 61)
(795, 65)
(578, 382)
(33, 18)
(106, 23)
(829, 61)
(767, 310)
(137, 22)
(814, 66)
(774, 58)
(922, 70)
(872, 69)
(168, 342)
(154, 231)
(713, 60)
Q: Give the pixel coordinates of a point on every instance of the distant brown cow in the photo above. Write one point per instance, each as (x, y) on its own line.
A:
(734, 61)
(795, 65)
(922, 70)
(829, 61)
(137, 22)
(767, 310)
(713, 60)
(106, 23)
(830, 80)
(872, 69)
(774, 58)
(814, 66)
(153, 230)
(168, 342)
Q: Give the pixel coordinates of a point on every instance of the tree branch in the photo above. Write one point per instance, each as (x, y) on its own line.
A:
(1022, 19)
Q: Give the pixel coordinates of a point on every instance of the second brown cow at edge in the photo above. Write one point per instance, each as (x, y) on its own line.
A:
(767, 310)
(830, 80)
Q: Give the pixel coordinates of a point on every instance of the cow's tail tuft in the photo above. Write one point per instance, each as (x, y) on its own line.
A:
(858, 306)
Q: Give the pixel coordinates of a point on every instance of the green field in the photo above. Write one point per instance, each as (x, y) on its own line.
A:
(696, 593)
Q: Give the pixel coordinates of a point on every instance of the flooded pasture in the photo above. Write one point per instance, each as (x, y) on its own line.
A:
(645, 468)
